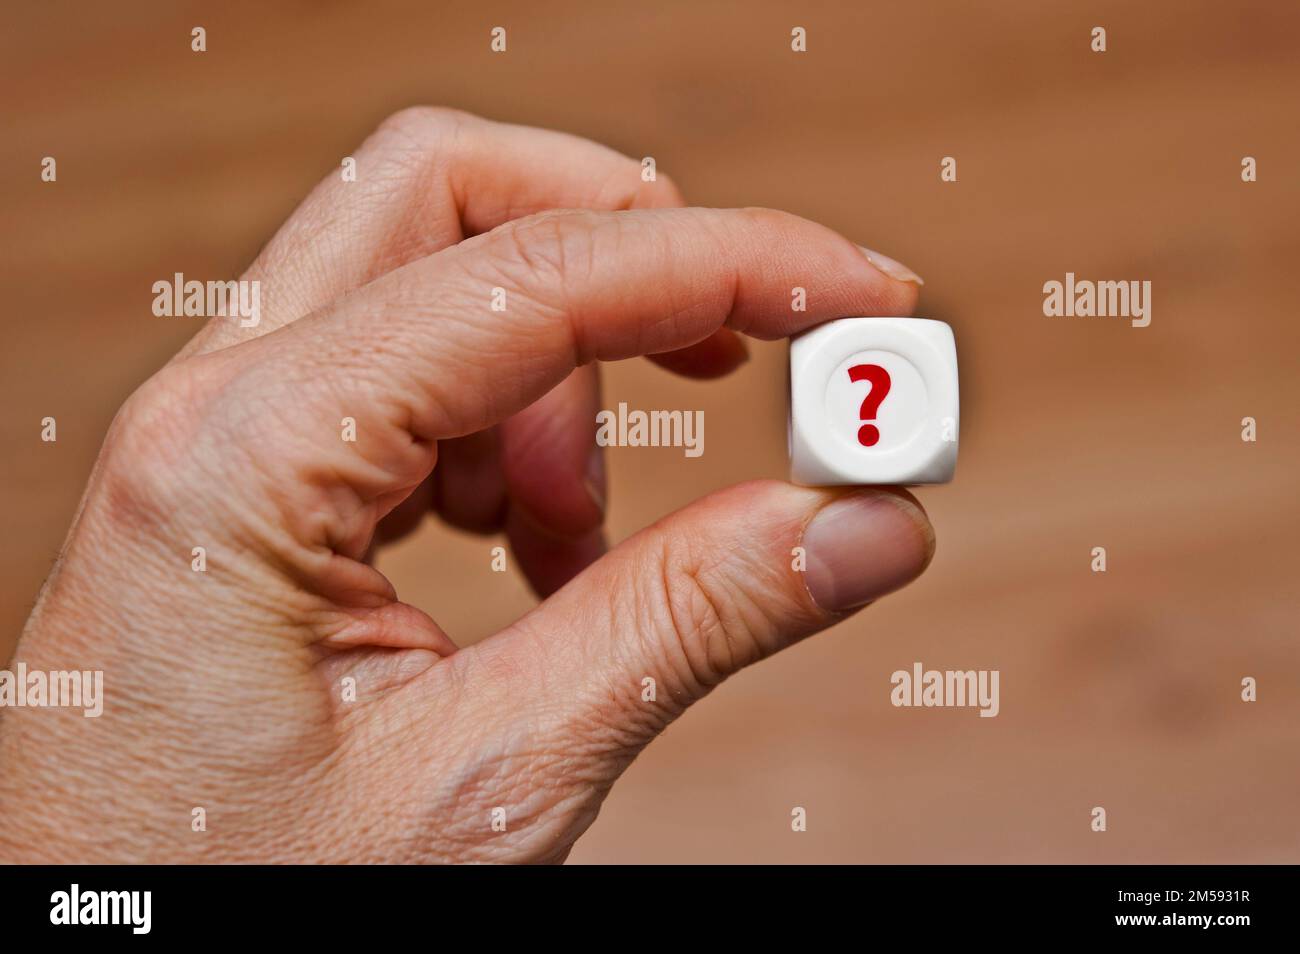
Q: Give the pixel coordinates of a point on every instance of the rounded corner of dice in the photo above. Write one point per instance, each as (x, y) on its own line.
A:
(874, 401)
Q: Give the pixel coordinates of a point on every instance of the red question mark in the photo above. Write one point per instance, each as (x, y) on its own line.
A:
(868, 434)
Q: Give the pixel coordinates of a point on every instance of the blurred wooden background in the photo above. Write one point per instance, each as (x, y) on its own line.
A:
(1118, 689)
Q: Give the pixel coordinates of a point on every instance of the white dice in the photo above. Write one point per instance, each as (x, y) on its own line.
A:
(874, 401)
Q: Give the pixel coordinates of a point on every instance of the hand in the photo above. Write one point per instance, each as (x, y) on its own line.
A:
(224, 689)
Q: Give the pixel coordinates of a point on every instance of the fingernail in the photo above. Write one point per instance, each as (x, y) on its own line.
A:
(895, 270)
(863, 546)
(594, 481)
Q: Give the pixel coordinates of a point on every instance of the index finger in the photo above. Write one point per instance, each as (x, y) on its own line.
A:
(574, 287)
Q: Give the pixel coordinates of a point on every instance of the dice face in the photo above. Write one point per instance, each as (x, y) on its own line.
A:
(874, 401)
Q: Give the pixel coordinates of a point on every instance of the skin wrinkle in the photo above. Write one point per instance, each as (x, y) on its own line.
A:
(534, 810)
(206, 447)
(714, 581)
(242, 590)
(701, 680)
(451, 323)
(614, 700)
(130, 780)
(621, 724)
(409, 238)
(539, 337)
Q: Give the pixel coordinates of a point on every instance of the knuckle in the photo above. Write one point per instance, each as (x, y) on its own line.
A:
(148, 454)
(419, 141)
(554, 247)
(156, 416)
(710, 626)
(425, 125)
(770, 222)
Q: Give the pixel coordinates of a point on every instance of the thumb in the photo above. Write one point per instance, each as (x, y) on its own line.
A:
(730, 580)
